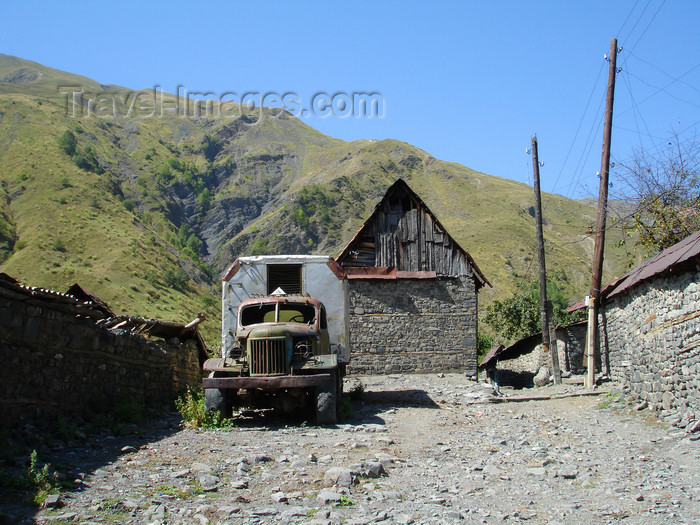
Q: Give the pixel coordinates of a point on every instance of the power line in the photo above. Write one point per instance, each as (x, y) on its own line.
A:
(663, 89)
(638, 20)
(648, 25)
(580, 123)
(626, 19)
(664, 72)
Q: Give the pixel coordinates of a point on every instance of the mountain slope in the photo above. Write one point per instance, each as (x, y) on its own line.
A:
(145, 211)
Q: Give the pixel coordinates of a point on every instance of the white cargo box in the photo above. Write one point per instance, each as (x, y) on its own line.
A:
(316, 275)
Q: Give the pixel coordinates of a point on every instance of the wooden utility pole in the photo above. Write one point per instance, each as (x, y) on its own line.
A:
(594, 300)
(544, 305)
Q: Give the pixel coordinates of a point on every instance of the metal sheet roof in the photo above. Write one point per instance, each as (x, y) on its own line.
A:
(672, 258)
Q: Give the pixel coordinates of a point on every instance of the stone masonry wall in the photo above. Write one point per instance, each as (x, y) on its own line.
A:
(570, 343)
(413, 325)
(653, 333)
(54, 364)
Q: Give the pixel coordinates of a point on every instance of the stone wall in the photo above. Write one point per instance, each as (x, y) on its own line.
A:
(57, 363)
(653, 342)
(570, 342)
(413, 325)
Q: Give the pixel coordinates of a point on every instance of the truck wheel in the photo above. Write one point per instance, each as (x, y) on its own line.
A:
(215, 400)
(326, 399)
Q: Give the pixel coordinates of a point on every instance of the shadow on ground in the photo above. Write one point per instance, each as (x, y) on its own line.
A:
(73, 459)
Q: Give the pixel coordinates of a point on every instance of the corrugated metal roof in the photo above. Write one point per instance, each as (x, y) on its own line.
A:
(671, 258)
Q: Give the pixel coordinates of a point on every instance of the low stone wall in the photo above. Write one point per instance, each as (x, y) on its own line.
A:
(570, 343)
(58, 363)
(413, 325)
(653, 342)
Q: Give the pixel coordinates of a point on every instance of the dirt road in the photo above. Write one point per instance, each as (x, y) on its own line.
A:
(418, 449)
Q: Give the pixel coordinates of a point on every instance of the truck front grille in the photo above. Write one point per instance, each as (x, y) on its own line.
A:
(267, 357)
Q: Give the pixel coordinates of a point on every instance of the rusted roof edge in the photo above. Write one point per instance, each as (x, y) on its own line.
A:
(232, 270)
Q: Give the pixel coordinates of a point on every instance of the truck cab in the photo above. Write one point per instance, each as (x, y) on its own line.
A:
(281, 358)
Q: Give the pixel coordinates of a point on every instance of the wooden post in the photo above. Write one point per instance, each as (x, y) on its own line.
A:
(544, 306)
(596, 279)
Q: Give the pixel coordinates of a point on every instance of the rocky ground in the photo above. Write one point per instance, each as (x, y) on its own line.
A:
(417, 449)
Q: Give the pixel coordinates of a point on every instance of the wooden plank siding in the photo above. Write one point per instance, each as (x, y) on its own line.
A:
(408, 240)
(402, 233)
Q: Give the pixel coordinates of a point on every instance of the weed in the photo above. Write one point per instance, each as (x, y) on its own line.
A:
(345, 502)
(194, 413)
(310, 513)
(58, 245)
(175, 492)
(40, 479)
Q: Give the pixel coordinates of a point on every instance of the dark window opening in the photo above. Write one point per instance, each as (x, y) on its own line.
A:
(258, 313)
(285, 276)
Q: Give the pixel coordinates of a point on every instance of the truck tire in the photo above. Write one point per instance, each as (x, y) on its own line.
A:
(215, 400)
(326, 402)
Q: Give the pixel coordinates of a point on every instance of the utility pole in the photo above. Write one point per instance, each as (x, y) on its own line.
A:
(544, 305)
(594, 300)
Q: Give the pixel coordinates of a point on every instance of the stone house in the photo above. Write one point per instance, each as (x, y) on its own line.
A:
(412, 291)
(650, 330)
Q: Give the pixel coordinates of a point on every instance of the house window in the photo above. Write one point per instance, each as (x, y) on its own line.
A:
(285, 276)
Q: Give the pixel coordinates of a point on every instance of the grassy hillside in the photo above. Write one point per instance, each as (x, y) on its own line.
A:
(146, 211)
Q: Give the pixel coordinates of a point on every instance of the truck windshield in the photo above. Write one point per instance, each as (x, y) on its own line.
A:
(288, 313)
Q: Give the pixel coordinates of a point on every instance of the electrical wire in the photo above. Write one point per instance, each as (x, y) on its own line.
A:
(662, 71)
(580, 123)
(663, 89)
(646, 28)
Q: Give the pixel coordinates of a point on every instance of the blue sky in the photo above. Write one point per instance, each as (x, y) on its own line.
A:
(468, 82)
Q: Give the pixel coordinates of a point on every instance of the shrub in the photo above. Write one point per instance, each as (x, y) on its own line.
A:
(67, 142)
(176, 279)
(194, 414)
(40, 479)
(209, 301)
(174, 164)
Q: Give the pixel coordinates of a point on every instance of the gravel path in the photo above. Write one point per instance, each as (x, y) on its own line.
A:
(418, 449)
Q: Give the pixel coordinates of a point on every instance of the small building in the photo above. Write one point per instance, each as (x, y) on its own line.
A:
(412, 291)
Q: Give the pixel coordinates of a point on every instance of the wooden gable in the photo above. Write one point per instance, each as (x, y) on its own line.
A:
(402, 233)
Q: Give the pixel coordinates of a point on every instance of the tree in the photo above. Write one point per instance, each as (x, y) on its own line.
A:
(67, 142)
(519, 315)
(665, 191)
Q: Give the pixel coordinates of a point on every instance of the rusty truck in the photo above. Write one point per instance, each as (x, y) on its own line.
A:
(283, 347)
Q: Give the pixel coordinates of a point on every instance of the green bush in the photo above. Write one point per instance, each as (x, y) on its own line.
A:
(194, 414)
(67, 142)
(176, 279)
(40, 479)
(484, 344)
